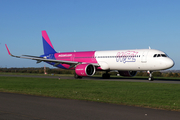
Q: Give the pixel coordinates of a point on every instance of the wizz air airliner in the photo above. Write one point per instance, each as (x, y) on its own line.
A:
(126, 62)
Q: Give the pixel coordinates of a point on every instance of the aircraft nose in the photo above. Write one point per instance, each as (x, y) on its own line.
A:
(170, 63)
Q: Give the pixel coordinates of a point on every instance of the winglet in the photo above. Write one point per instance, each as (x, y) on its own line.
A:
(8, 50)
(10, 53)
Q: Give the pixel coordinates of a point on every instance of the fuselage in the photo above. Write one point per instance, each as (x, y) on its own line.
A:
(135, 60)
(126, 62)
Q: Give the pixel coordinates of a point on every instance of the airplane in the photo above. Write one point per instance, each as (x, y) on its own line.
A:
(86, 63)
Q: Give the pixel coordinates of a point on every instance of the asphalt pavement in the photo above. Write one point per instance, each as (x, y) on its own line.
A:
(27, 107)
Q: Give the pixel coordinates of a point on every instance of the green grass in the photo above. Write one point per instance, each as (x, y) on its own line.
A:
(39, 74)
(153, 95)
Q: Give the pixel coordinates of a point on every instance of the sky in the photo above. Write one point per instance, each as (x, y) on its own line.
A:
(85, 25)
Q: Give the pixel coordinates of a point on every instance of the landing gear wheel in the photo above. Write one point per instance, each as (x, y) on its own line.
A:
(106, 76)
(150, 78)
(77, 77)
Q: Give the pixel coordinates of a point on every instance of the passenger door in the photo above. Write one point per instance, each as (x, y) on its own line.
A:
(144, 57)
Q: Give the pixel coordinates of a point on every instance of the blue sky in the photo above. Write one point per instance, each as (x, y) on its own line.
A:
(85, 25)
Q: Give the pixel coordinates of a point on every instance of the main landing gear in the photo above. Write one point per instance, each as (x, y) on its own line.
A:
(106, 75)
(77, 76)
(150, 75)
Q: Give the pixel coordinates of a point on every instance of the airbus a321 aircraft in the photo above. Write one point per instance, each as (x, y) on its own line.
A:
(126, 62)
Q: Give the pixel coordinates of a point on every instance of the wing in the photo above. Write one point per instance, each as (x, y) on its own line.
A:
(40, 59)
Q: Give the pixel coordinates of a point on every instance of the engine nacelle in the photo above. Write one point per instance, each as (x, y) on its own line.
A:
(128, 73)
(85, 70)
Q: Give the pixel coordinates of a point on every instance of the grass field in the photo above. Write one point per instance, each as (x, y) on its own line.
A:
(153, 95)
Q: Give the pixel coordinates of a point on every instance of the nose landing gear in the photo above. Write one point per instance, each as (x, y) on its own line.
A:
(150, 75)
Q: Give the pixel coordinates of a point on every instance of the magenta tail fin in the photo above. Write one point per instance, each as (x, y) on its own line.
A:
(48, 47)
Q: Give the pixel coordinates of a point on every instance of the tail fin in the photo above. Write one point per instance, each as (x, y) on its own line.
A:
(48, 47)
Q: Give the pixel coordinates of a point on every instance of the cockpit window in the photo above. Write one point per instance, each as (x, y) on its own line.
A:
(164, 55)
(160, 55)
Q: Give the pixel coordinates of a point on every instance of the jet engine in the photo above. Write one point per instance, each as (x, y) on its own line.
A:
(85, 70)
(128, 73)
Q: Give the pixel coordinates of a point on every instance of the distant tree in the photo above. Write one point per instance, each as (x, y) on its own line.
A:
(170, 74)
(175, 75)
(139, 73)
(157, 74)
(145, 74)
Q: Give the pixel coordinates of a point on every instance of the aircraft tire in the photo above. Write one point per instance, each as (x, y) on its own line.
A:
(106, 76)
(150, 79)
(77, 77)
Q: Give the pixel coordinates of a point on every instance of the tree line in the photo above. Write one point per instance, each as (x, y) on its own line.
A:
(63, 71)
